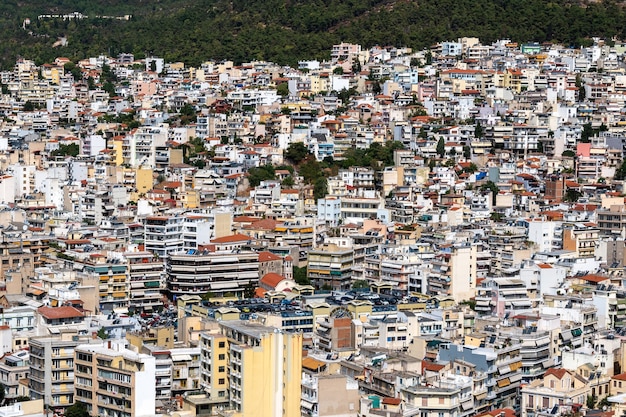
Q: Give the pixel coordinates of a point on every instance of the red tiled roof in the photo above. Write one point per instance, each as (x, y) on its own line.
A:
(392, 401)
(271, 279)
(238, 237)
(593, 278)
(557, 372)
(268, 256)
(55, 313)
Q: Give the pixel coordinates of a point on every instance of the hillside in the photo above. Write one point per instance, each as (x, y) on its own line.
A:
(287, 30)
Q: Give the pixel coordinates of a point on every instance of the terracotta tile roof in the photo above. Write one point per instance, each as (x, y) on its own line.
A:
(55, 313)
(271, 279)
(238, 237)
(268, 256)
(557, 372)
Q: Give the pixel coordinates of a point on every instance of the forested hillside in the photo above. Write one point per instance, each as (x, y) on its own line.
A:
(287, 30)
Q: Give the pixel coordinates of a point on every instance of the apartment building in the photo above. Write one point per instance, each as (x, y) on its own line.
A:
(261, 356)
(163, 234)
(554, 394)
(113, 381)
(196, 273)
(52, 368)
(114, 284)
(13, 369)
(331, 266)
(146, 279)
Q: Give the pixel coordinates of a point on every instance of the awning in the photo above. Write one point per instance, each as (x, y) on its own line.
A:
(516, 365)
(547, 363)
(504, 369)
(180, 358)
(576, 332)
(312, 364)
(504, 382)
(515, 377)
(621, 306)
(566, 336)
(306, 404)
(467, 405)
(481, 397)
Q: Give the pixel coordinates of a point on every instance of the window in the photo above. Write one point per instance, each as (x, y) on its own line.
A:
(221, 344)
(531, 401)
(222, 357)
(546, 402)
(221, 381)
(221, 369)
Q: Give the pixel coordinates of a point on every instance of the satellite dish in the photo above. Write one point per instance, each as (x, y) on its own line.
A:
(25, 227)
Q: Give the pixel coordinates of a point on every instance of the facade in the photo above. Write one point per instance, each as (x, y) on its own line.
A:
(52, 369)
(218, 273)
(114, 381)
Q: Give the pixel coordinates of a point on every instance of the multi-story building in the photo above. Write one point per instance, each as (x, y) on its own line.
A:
(330, 266)
(261, 355)
(190, 273)
(114, 381)
(163, 234)
(114, 285)
(146, 276)
(13, 368)
(580, 238)
(52, 369)
(555, 394)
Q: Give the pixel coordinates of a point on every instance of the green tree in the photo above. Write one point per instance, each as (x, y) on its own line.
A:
(582, 93)
(300, 275)
(78, 409)
(71, 149)
(282, 90)
(360, 284)
(478, 130)
(441, 147)
(591, 401)
(288, 182)
(102, 334)
(296, 152)
(320, 188)
(338, 70)
(491, 186)
(249, 290)
(572, 195)
(262, 173)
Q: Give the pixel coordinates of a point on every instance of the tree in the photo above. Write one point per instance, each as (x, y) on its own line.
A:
(71, 149)
(491, 186)
(102, 334)
(572, 195)
(582, 93)
(282, 90)
(29, 106)
(478, 130)
(262, 173)
(441, 147)
(288, 182)
(78, 409)
(467, 152)
(591, 401)
(360, 284)
(338, 70)
(300, 275)
(296, 152)
(320, 188)
(249, 290)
